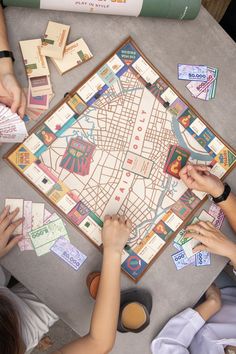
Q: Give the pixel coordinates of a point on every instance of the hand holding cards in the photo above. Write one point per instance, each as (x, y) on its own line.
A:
(12, 128)
(177, 158)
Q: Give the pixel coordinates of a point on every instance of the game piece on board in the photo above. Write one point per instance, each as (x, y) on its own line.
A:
(76, 53)
(54, 40)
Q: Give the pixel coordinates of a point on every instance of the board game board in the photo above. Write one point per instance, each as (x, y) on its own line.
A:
(102, 150)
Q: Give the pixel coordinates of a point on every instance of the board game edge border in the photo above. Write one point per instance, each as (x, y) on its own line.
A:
(70, 94)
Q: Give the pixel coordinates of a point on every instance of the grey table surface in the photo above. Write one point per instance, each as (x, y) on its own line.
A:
(165, 43)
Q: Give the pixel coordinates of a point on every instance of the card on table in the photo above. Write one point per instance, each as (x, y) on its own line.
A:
(35, 62)
(38, 102)
(37, 215)
(75, 54)
(177, 159)
(54, 41)
(41, 85)
(25, 244)
(69, 253)
(13, 204)
(181, 260)
(43, 237)
(192, 72)
(202, 259)
(217, 213)
(205, 216)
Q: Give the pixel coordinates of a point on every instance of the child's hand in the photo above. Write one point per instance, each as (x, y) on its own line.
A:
(212, 240)
(115, 232)
(198, 177)
(7, 227)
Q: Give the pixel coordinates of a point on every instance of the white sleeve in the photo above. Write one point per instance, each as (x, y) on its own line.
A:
(178, 333)
(234, 271)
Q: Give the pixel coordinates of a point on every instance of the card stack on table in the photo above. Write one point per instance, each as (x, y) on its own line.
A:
(185, 255)
(177, 158)
(65, 57)
(203, 80)
(12, 128)
(43, 232)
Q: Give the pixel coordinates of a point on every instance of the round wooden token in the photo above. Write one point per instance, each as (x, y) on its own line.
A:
(92, 281)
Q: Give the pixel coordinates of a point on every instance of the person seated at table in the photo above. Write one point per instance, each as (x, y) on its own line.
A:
(24, 319)
(210, 327)
(11, 94)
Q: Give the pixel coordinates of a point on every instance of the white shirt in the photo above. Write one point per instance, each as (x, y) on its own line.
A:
(187, 332)
(35, 317)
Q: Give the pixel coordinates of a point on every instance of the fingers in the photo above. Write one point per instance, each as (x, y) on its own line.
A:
(4, 213)
(8, 219)
(121, 219)
(11, 245)
(201, 228)
(11, 228)
(200, 248)
(22, 108)
(195, 236)
(16, 99)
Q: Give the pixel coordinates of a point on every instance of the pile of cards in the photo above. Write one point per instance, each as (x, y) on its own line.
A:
(44, 232)
(177, 158)
(203, 80)
(185, 255)
(12, 128)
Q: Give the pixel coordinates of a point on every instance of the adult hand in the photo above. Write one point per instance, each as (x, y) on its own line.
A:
(7, 227)
(198, 177)
(115, 232)
(212, 303)
(212, 240)
(11, 94)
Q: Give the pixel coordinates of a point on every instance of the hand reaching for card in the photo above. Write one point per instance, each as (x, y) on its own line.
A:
(198, 177)
(115, 233)
(212, 240)
(7, 227)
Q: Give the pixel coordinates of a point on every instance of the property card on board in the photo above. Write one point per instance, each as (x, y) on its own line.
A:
(177, 160)
(69, 253)
(192, 72)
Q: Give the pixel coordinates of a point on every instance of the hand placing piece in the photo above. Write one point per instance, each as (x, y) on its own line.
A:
(198, 177)
(115, 232)
(212, 240)
(7, 227)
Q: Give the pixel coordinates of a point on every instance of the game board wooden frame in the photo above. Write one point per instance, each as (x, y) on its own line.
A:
(70, 95)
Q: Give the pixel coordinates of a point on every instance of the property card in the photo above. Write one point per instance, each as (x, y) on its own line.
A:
(38, 102)
(75, 54)
(25, 244)
(35, 62)
(217, 214)
(192, 72)
(54, 41)
(37, 215)
(177, 159)
(13, 204)
(43, 237)
(205, 216)
(137, 164)
(69, 253)
(39, 86)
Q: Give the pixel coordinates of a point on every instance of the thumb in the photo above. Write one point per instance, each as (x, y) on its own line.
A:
(16, 93)
(200, 248)
(193, 172)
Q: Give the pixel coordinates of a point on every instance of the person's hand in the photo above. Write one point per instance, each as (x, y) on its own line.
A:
(212, 303)
(7, 227)
(198, 177)
(212, 240)
(115, 232)
(11, 94)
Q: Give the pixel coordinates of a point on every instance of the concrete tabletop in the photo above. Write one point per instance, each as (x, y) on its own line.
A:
(165, 43)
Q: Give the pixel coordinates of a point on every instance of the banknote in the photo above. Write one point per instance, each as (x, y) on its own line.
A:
(192, 72)
(69, 253)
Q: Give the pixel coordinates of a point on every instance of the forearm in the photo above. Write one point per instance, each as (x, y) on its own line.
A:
(106, 311)
(229, 209)
(206, 310)
(6, 63)
(104, 319)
